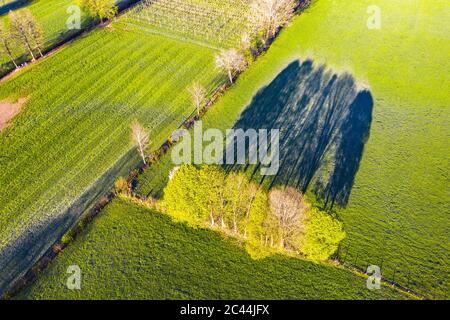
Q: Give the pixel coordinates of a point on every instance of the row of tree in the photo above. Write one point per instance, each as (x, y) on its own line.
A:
(268, 222)
(24, 32)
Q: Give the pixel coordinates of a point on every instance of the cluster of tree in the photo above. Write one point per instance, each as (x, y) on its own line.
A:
(268, 222)
(25, 32)
(99, 9)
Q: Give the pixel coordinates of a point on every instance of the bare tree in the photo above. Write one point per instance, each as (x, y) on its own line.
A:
(268, 16)
(198, 95)
(288, 207)
(27, 31)
(140, 138)
(231, 61)
(5, 43)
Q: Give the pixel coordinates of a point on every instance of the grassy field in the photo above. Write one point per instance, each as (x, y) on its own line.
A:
(73, 136)
(52, 15)
(397, 213)
(134, 253)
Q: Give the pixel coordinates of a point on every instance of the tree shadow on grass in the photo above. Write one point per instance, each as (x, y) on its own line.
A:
(324, 121)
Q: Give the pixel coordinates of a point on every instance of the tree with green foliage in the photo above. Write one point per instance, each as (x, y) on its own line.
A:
(6, 43)
(99, 9)
(211, 196)
(140, 138)
(321, 236)
(27, 31)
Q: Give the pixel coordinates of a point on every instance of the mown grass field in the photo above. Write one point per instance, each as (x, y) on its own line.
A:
(73, 136)
(397, 214)
(134, 253)
(52, 15)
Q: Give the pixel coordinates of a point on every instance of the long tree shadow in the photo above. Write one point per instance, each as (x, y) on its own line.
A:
(324, 121)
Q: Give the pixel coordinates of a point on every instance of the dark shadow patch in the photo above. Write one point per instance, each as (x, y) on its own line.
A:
(324, 122)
